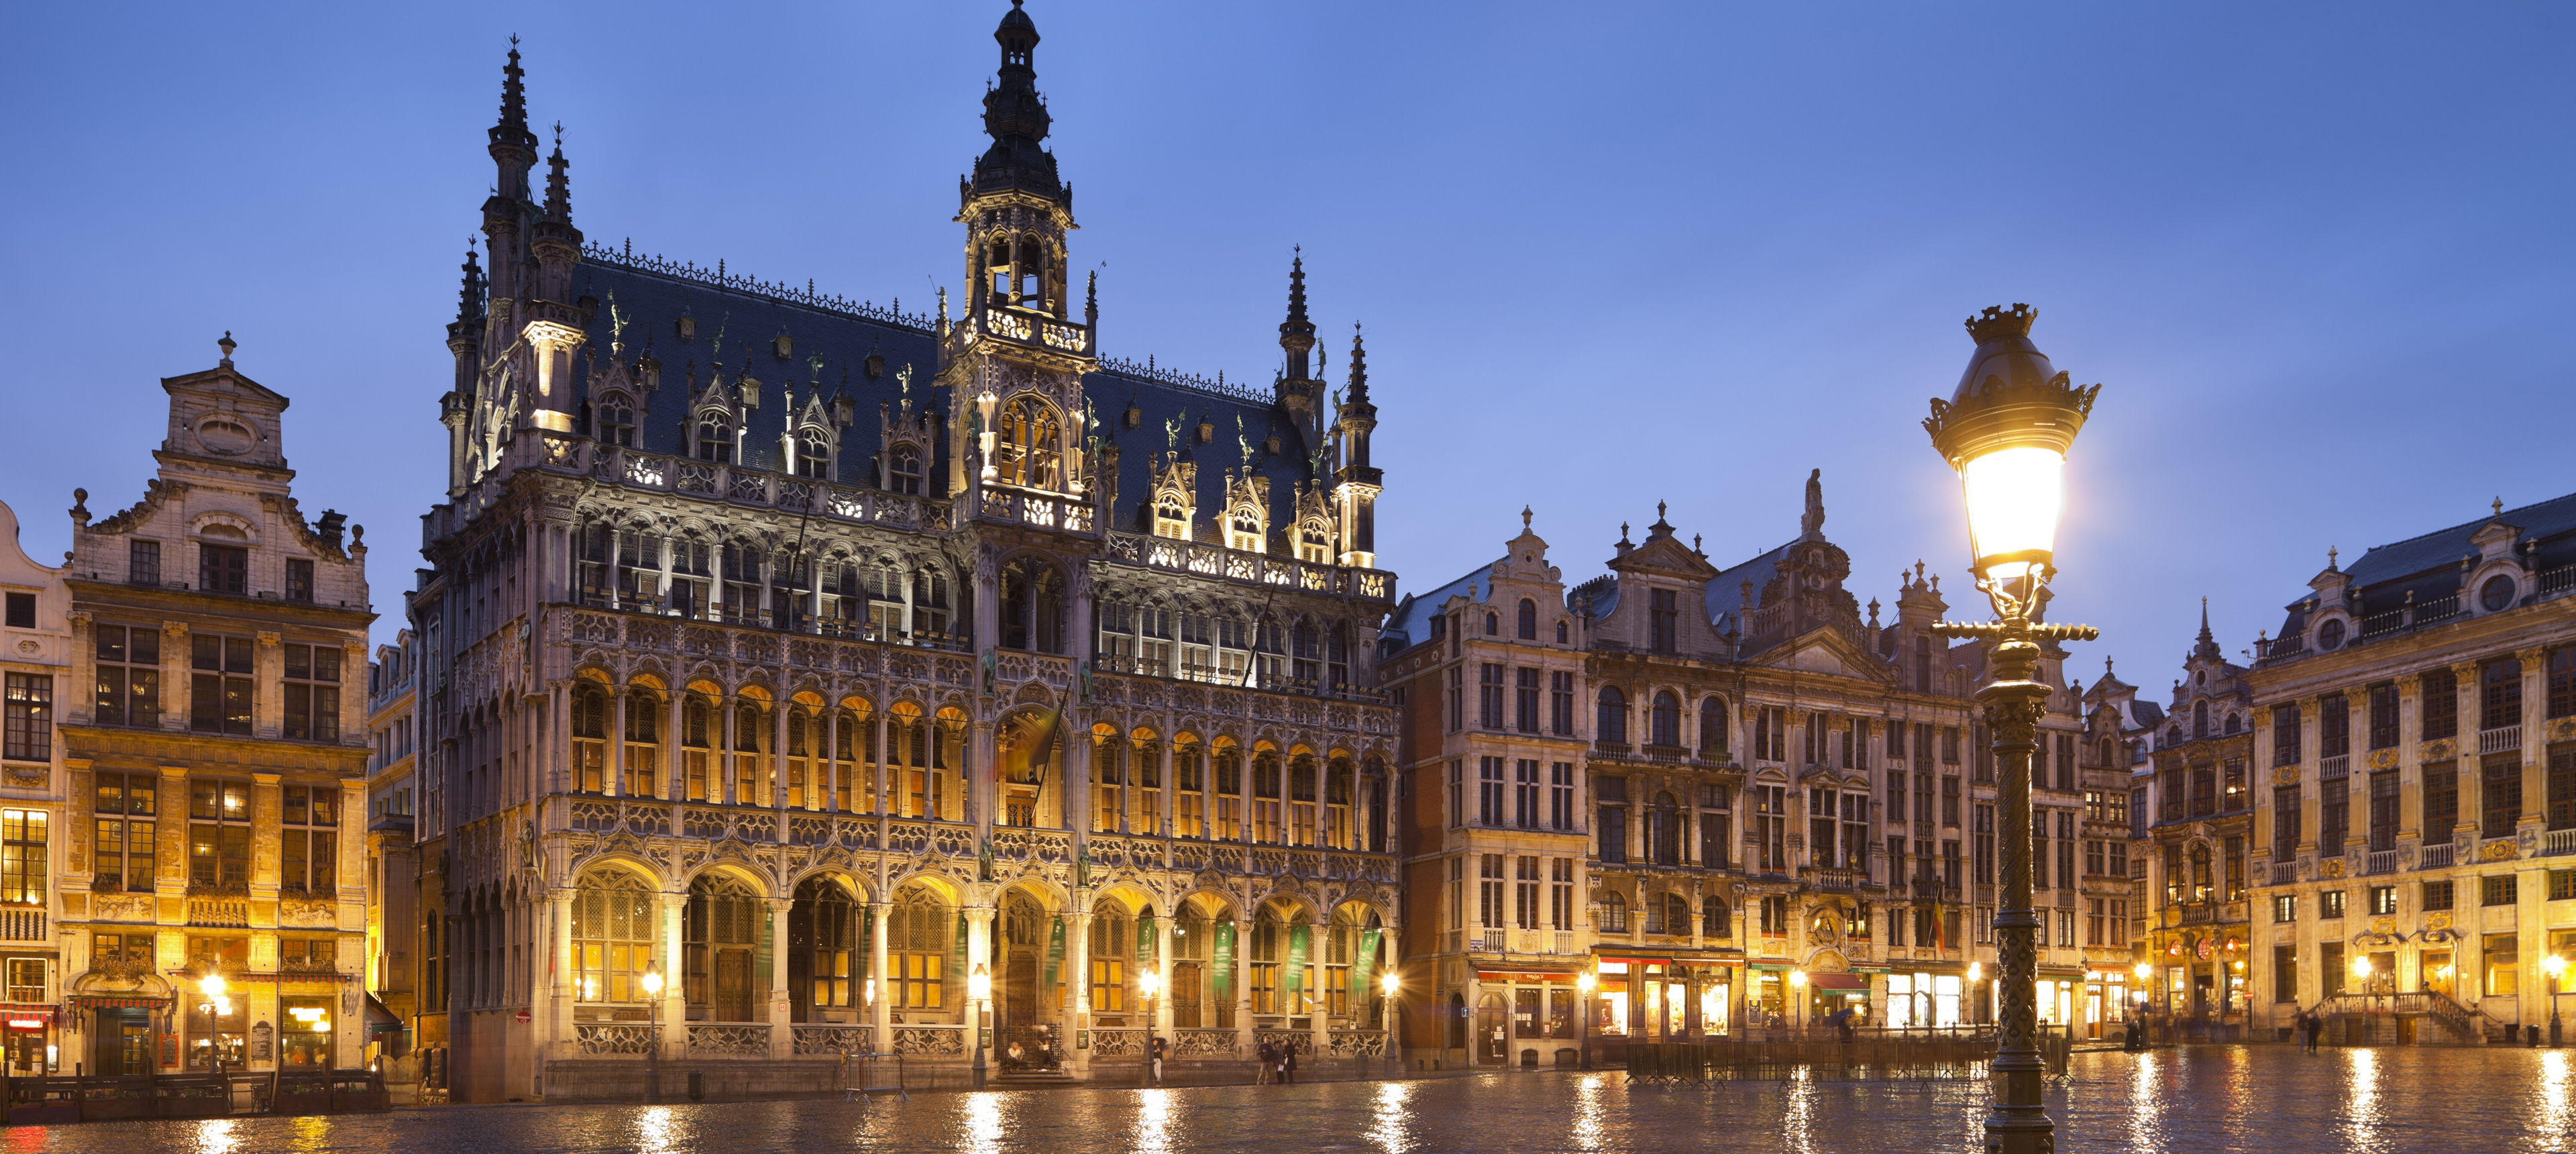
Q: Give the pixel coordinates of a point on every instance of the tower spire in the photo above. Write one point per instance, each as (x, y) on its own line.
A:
(1297, 333)
(558, 183)
(514, 148)
(1015, 116)
(2205, 647)
(469, 296)
(1359, 367)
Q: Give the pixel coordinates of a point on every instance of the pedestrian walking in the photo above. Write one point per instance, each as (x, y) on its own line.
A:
(1288, 1065)
(2314, 1026)
(1267, 1057)
(1155, 1051)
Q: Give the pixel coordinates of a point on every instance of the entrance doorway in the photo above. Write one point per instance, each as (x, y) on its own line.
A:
(733, 986)
(123, 1046)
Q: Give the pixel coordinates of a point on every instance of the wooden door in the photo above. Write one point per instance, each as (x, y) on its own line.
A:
(733, 1000)
(1188, 985)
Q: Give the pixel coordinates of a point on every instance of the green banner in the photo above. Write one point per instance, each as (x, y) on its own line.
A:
(1296, 983)
(1055, 952)
(1224, 976)
(1360, 969)
(957, 956)
(1146, 952)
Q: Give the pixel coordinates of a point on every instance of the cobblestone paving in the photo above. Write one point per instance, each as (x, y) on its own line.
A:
(2271, 1099)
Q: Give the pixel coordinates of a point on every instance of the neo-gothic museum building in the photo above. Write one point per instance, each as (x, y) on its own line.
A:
(802, 659)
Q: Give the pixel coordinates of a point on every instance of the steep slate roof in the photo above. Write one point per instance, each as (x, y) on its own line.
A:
(844, 334)
(2429, 565)
(1413, 614)
(1726, 590)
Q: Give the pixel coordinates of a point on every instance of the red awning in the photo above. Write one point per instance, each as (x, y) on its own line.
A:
(1838, 981)
(118, 1001)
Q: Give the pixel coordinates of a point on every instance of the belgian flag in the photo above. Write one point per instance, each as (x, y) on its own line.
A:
(1027, 760)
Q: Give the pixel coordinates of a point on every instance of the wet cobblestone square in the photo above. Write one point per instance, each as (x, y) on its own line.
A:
(2272, 1099)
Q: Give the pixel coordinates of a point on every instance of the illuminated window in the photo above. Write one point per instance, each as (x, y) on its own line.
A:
(1028, 451)
(612, 936)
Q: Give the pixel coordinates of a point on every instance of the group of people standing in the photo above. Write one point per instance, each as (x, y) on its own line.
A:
(1278, 1063)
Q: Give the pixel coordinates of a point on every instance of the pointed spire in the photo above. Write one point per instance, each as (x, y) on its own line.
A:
(1090, 300)
(1015, 116)
(1359, 366)
(514, 98)
(469, 295)
(558, 183)
(1297, 333)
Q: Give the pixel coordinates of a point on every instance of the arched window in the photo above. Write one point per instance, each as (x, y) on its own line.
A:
(715, 436)
(1612, 724)
(616, 421)
(1560, 633)
(589, 738)
(1713, 919)
(724, 931)
(2199, 720)
(1028, 451)
(1493, 624)
(612, 936)
(643, 745)
(1664, 827)
(1677, 915)
(1667, 719)
(2173, 736)
(1528, 620)
(1243, 530)
(813, 453)
(1032, 606)
(1113, 951)
(1314, 543)
(1614, 914)
(2234, 723)
(1171, 517)
(919, 930)
(1712, 725)
(903, 470)
(825, 961)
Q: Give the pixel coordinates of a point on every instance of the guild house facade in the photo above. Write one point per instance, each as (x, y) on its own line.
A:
(1724, 795)
(793, 669)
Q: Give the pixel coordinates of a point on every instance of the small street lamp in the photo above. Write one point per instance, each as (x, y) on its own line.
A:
(2557, 967)
(979, 991)
(1150, 984)
(2006, 431)
(1976, 988)
(1584, 982)
(1390, 985)
(217, 1007)
(1797, 986)
(652, 983)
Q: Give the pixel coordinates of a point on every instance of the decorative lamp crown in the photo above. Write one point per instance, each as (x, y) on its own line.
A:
(2010, 396)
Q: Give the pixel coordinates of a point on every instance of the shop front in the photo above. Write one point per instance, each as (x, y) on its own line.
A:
(1530, 1018)
(28, 1034)
(1924, 999)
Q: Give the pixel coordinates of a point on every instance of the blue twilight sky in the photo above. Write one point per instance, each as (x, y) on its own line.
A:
(2318, 255)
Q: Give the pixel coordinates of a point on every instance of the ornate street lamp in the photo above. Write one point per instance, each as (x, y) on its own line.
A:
(979, 991)
(652, 983)
(1583, 983)
(217, 1008)
(1150, 984)
(2557, 967)
(2006, 430)
(1390, 985)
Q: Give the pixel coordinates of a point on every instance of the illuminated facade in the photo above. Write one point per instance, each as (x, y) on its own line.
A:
(2196, 803)
(392, 880)
(1721, 792)
(810, 657)
(218, 757)
(2415, 813)
(36, 665)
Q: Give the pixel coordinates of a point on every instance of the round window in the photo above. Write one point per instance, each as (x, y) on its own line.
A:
(2330, 634)
(2497, 594)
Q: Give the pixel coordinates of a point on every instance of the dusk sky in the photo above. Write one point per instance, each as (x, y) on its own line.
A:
(2319, 257)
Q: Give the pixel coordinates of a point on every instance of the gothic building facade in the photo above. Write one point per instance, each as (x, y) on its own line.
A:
(1725, 796)
(2197, 801)
(793, 666)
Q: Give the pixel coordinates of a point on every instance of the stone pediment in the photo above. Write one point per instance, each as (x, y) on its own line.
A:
(1827, 650)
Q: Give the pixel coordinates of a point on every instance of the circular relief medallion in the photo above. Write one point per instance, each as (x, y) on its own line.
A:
(224, 435)
(30, 645)
(2333, 868)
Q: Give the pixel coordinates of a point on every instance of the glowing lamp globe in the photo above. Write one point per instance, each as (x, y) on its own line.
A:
(1147, 983)
(2006, 430)
(979, 985)
(1389, 983)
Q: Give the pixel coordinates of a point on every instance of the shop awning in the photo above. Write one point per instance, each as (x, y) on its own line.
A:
(117, 1001)
(1838, 981)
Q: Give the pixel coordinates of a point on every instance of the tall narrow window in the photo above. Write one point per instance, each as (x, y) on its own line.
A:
(1663, 620)
(2500, 694)
(312, 692)
(221, 698)
(22, 861)
(309, 822)
(124, 846)
(218, 833)
(1712, 727)
(1560, 703)
(1611, 727)
(589, 739)
(1528, 620)
(30, 729)
(1525, 700)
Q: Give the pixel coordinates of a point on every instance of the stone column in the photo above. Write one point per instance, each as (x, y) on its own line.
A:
(1243, 1044)
(675, 985)
(778, 760)
(782, 1033)
(1163, 974)
(2472, 776)
(1171, 785)
(880, 1013)
(1390, 943)
(617, 742)
(558, 1027)
(2535, 775)
(877, 777)
(675, 777)
(1080, 977)
(980, 773)
(828, 771)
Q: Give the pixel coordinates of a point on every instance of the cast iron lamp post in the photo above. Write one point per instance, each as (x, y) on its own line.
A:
(979, 990)
(652, 983)
(1150, 984)
(217, 1008)
(1390, 985)
(2557, 967)
(1583, 982)
(2006, 430)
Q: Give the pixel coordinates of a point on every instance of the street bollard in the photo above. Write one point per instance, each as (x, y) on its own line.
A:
(697, 1086)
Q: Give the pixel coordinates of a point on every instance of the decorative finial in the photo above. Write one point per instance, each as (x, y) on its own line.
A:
(2498, 506)
(2330, 558)
(1659, 510)
(1623, 532)
(227, 346)
(1525, 518)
